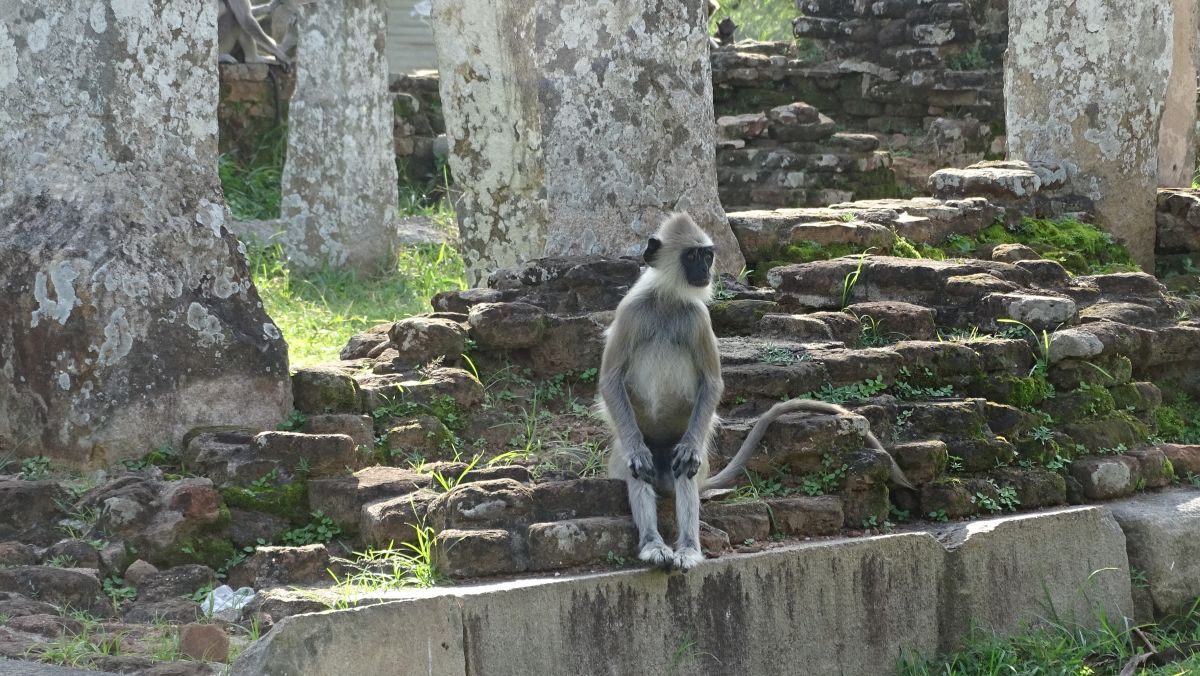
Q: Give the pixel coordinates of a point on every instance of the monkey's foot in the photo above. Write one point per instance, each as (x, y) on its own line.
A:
(658, 554)
(687, 558)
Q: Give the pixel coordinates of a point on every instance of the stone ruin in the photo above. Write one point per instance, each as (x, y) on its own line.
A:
(338, 205)
(468, 425)
(793, 156)
(954, 412)
(579, 150)
(130, 317)
(1100, 115)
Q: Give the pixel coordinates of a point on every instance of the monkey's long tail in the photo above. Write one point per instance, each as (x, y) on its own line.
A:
(729, 475)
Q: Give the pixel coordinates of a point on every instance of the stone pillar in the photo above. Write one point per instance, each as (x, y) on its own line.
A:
(1085, 85)
(128, 315)
(576, 125)
(1177, 131)
(339, 199)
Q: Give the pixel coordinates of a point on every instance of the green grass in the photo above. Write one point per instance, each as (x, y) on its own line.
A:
(764, 20)
(319, 311)
(1064, 649)
(251, 176)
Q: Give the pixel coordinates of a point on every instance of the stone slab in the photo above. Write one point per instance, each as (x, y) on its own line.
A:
(23, 668)
(1162, 534)
(857, 603)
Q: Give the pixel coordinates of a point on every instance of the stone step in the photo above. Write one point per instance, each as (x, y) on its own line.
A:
(239, 457)
(827, 285)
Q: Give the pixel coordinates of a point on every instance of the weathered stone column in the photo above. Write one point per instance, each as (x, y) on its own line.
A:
(128, 315)
(576, 125)
(1177, 131)
(1085, 84)
(339, 197)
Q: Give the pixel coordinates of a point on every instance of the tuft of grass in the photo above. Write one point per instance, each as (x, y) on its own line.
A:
(380, 570)
(319, 311)
(1171, 647)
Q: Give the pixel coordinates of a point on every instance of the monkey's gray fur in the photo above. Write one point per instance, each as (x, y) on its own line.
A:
(237, 25)
(660, 383)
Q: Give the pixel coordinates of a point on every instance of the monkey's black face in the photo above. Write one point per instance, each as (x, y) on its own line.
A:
(697, 265)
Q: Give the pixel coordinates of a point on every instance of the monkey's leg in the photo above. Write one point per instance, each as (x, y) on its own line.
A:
(687, 515)
(651, 547)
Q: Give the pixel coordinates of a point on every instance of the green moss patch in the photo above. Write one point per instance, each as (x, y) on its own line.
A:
(289, 500)
(1081, 248)
(1178, 420)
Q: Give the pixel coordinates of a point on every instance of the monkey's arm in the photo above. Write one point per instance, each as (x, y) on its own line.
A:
(613, 369)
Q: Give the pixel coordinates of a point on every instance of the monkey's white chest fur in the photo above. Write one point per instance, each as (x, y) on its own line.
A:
(664, 380)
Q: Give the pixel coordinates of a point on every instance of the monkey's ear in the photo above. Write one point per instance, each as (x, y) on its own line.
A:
(652, 248)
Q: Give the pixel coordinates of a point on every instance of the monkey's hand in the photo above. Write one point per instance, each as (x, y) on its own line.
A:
(641, 463)
(685, 459)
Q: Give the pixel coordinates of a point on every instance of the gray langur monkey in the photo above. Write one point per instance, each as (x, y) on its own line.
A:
(660, 383)
(237, 25)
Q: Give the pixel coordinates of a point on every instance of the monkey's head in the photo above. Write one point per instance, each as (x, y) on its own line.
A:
(681, 250)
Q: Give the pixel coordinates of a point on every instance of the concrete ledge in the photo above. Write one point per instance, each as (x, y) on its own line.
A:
(842, 606)
(1162, 533)
(1064, 565)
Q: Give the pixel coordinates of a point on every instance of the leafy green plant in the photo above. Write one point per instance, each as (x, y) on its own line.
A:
(758, 487)
(159, 457)
(118, 592)
(938, 515)
(985, 502)
(872, 332)
(778, 356)
(971, 59)
(615, 559)
(34, 468)
(856, 392)
(905, 390)
(293, 422)
(1008, 498)
(828, 479)
(1042, 342)
(61, 561)
(320, 529)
